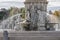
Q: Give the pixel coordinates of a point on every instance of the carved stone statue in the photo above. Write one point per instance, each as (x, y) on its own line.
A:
(37, 10)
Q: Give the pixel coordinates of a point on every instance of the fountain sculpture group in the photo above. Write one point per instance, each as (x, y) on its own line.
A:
(12, 22)
(36, 11)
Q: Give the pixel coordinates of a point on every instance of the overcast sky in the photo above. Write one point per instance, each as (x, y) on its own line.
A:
(51, 3)
(54, 3)
(13, 0)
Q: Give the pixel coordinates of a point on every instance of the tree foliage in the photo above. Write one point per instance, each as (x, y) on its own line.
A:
(17, 10)
(23, 11)
(1, 15)
(57, 13)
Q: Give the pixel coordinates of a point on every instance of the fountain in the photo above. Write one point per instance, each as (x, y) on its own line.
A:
(36, 13)
(12, 22)
(51, 21)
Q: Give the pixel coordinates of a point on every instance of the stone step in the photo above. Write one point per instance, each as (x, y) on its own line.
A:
(33, 35)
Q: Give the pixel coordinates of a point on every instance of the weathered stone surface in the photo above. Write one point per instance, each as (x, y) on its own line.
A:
(36, 12)
(36, 0)
(33, 35)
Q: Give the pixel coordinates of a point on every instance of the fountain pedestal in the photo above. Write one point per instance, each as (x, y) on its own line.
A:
(36, 12)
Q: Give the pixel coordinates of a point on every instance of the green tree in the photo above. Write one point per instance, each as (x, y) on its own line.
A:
(57, 13)
(23, 11)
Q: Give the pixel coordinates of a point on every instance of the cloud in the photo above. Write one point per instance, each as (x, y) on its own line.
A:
(12, 0)
(54, 0)
(10, 4)
(53, 3)
(5, 3)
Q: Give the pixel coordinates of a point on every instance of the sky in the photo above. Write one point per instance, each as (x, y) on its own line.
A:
(18, 3)
(11, 3)
(13, 0)
(53, 3)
